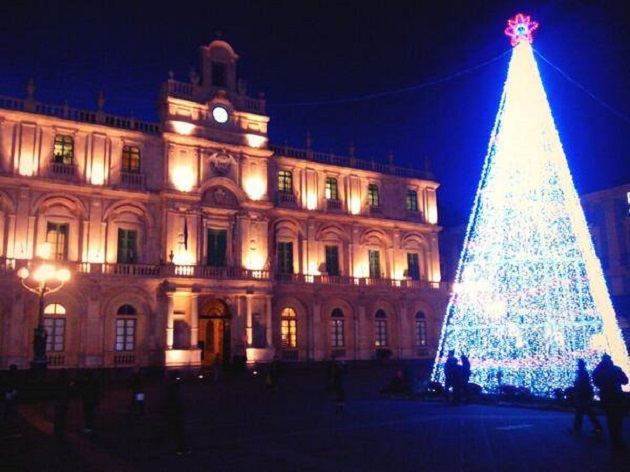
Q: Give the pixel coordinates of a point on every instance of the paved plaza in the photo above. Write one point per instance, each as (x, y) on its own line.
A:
(236, 424)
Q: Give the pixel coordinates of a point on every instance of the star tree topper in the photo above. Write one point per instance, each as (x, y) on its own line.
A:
(520, 28)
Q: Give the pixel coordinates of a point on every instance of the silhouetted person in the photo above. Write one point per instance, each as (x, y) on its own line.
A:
(609, 378)
(90, 399)
(583, 400)
(62, 395)
(450, 367)
(465, 376)
(337, 373)
(217, 368)
(10, 394)
(137, 394)
(273, 374)
(174, 412)
(397, 385)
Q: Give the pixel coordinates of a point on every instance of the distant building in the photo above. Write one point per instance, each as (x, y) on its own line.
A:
(607, 213)
(194, 237)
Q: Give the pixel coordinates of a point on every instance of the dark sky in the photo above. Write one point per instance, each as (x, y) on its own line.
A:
(319, 51)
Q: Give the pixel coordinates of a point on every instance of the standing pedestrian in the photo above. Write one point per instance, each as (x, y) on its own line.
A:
(338, 372)
(217, 368)
(609, 378)
(465, 377)
(273, 374)
(450, 368)
(90, 398)
(583, 400)
(137, 394)
(62, 394)
(10, 394)
(174, 413)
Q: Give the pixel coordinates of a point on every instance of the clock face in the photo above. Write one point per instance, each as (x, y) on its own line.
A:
(220, 114)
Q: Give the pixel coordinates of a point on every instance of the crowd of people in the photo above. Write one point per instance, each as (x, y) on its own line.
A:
(605, 383)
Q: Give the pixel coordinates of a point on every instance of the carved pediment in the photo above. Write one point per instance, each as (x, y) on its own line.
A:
(220, 197)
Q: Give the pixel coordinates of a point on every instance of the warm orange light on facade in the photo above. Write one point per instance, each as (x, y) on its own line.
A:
(311, 201)
(255, 187)
(181, 127)
(355, 205)
(183, 179)
(255, 141)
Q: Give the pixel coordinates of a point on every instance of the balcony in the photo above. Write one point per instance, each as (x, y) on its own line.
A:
(286, 199)
(131, 179)
(63, 171)
(161, 271)
(334, 206)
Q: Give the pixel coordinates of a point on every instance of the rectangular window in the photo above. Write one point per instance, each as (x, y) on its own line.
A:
(56, 332)
(285, 258)
(57, 236)
(125, 334)
(285, 181)
(336, 333)
(217, 247)
(381, 332)
(411, 200)
(373, 196)
(375, 264)
(64, 149)
(421, 332)
(332, 260)
(331, 189)
(413, 266)
(131, 159)
(127, 246)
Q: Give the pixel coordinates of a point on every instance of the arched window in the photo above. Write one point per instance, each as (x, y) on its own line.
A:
(336, 329)
(55, 326)
(421, 329)
(288, 328)
(125, 339)
(380, 328)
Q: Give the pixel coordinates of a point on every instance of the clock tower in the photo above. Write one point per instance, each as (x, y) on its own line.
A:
(213, 104)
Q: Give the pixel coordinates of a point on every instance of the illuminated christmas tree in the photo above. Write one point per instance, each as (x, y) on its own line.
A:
(529, 297)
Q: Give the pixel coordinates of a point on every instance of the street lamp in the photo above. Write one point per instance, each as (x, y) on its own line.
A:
(42, 280)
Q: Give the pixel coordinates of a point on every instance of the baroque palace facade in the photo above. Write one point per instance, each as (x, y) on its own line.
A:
(194, 237)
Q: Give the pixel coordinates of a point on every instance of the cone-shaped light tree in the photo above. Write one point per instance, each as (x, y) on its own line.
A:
(529, 297)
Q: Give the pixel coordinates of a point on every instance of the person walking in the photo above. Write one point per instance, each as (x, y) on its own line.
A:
(90, 399)
(174, 413)
(609, 378)
(583, 400)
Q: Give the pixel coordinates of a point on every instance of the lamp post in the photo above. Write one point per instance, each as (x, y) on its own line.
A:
(42, 280)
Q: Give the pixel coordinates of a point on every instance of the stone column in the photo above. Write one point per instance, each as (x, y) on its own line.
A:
(194, 321)
(269, 323)
(170, 330)
(248, 325)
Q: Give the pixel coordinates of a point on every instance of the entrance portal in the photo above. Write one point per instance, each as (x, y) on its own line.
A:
(214, 331)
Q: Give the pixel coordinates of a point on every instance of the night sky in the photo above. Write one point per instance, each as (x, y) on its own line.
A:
(317, 61)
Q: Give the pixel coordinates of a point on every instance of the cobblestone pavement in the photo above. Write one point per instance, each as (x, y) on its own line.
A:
(237, 424)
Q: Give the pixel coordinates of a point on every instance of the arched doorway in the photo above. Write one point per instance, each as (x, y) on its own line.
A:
(214, 331)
